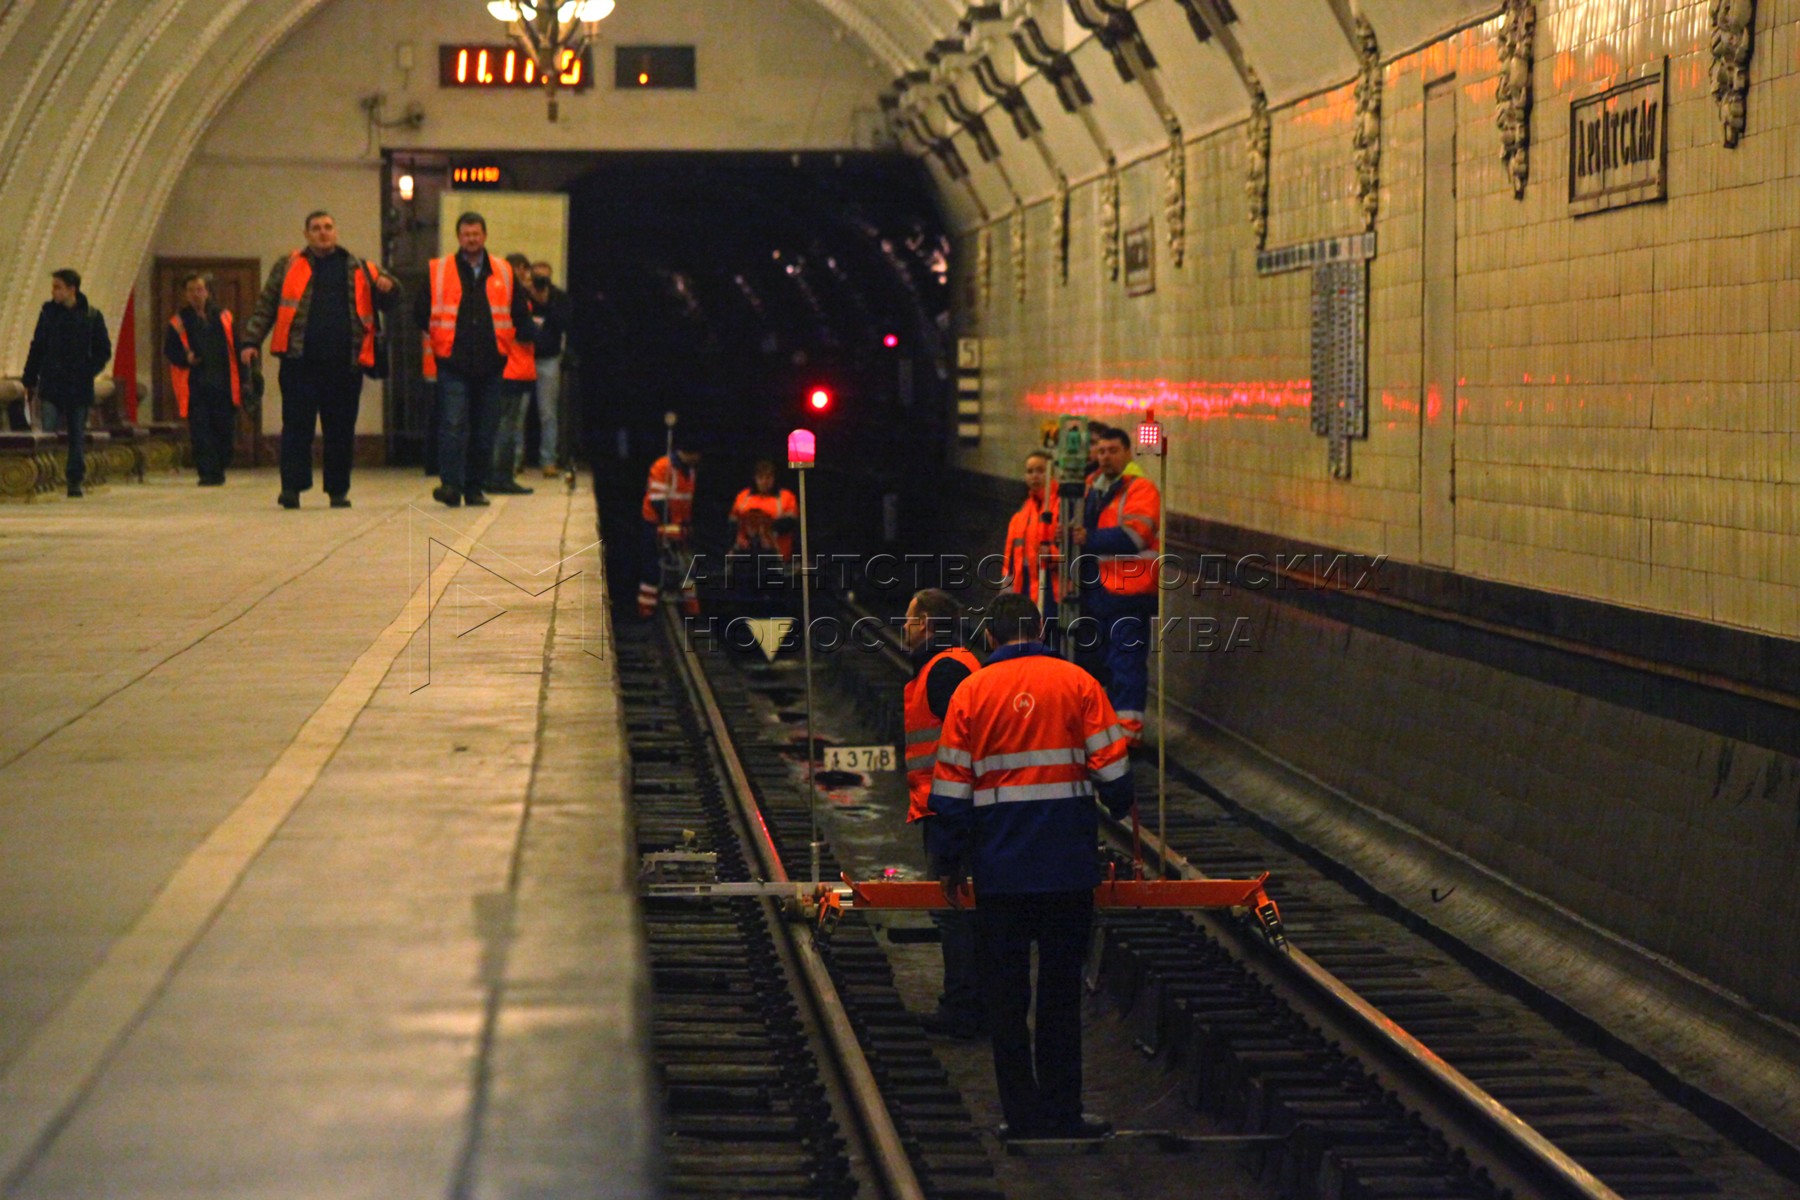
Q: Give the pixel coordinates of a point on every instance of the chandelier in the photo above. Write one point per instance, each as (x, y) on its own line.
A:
(554, 35)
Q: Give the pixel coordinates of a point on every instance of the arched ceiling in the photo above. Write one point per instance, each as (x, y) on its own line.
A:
(106, 99)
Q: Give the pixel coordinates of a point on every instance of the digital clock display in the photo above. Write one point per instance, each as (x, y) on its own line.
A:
(488, 66)
(475, 176)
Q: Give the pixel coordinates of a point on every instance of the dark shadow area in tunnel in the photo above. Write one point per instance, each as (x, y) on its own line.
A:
(726, 288)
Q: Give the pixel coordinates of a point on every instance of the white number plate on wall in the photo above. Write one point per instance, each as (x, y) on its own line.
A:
(859, 758)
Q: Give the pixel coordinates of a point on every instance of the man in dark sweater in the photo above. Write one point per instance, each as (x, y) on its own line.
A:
(477, 316)
(204, 369)
(69, 347)
(319, 304)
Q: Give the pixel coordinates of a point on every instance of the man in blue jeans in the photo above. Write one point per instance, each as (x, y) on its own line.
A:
(474, 312)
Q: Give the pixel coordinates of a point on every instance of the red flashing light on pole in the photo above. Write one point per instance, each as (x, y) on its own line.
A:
(1150, 436)
(819, 399)
(802, 448)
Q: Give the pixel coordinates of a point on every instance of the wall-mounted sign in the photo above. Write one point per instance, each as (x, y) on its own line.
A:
(475, 175)
(1139, 246)
(499, 67)
(1617, 144)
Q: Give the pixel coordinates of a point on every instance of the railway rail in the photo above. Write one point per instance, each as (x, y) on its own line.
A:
(1358, 1064)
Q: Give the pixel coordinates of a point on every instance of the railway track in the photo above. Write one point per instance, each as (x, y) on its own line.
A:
(794, 1066)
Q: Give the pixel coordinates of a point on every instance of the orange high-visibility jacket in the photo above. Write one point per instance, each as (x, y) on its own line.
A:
(179, 376)
(1125, 541)
(1031, 548)
(446, 298)
(755, 513)
(677, 487)
(1029, 742)
(427, 362)
(293, 289)
(923, 729)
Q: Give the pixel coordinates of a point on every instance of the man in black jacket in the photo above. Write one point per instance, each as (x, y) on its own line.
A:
(69, 348)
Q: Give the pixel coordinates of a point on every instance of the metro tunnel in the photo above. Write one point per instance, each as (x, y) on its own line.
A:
(900, 598)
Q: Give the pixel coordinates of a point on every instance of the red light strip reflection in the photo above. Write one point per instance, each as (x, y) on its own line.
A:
(1194, 399)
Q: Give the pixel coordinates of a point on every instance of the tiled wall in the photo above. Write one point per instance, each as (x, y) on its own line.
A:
(1628, 425)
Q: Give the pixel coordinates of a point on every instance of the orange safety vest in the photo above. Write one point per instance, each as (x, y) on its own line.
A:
(427, 363)
(679, 492)
(521, 362)
(922, 732)
(1134, 508)
(764, 511)
(178, 376)
(293, 288)
(446, 298)
(1031, 548)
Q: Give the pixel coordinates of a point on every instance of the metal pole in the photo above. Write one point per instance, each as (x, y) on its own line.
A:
(812, 793)
(1162, 654)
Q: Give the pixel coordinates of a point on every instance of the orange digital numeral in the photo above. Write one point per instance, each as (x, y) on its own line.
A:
(571, 69)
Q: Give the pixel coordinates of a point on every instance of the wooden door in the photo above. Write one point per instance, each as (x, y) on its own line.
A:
(234, 283)
(1438, 391)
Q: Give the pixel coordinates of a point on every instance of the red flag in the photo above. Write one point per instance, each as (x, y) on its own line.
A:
(125, 360)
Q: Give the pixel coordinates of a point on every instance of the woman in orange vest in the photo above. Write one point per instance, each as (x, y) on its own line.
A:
(764, 517)
(201, 347)
(940, 665)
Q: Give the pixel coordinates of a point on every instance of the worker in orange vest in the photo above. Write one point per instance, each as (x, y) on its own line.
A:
(476, 314)
(319, 305)
(1029, 743)
(1030, 559)
(201, 347)
(764, 517)
(668, 514)
(940, 665)
(517, 380)
(1118, 570)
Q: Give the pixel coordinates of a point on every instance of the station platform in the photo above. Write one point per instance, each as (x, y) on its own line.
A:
(316, 869)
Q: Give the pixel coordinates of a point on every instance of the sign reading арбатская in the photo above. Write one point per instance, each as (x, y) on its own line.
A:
(1616, 150)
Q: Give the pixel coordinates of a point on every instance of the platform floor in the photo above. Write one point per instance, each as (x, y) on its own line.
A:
(314, 864)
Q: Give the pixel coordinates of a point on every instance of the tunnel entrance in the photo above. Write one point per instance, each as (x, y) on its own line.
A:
(725, 287)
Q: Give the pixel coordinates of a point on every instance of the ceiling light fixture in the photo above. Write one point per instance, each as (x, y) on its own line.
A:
(555, 36)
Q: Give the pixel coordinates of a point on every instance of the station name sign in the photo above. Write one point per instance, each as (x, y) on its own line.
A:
(1617, 144)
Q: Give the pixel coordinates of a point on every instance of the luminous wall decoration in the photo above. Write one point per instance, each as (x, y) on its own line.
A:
(1109, 221)
(984, 268)
(1175, 190)
(1733, 24)
(1059, 228)
(1367, 134)
(1512, 95)
(1256, 158)
(1018, 252)
(1340, 348)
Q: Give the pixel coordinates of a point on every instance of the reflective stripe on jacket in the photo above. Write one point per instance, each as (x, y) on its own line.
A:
(446, 298)
(760, 508)
(923, 729)
(179, 376)
(298, 281)
(1028, 743)
(679, 493)
(1127, 558)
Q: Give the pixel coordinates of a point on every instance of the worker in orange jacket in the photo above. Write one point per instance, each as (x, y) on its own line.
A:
(668, 514)
(940, 666)
(1030, 560)
(201, 347)
(1029, 743)
(1118, 570)
(764, 517)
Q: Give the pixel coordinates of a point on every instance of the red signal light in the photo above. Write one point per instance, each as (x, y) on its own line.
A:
(818, 400)
(891, 340)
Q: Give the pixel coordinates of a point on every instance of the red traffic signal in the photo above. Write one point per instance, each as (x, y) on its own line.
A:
(818, 399)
